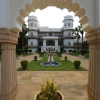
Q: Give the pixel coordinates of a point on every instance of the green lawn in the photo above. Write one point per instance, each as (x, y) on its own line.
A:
(66, 66)
(86, 55)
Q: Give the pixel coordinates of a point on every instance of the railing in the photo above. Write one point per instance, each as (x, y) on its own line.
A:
(32, 36)
(32, 46)
(67, 36)
(67, 45)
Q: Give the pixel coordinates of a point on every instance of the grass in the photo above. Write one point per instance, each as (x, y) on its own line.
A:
(66, 66)
(86, 55)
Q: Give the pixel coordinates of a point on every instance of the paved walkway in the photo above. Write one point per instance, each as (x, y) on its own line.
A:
(71, 83)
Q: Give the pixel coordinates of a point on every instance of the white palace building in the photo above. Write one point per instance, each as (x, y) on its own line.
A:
(42, 38)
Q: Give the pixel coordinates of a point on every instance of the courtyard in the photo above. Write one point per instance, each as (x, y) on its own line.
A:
(73, 84)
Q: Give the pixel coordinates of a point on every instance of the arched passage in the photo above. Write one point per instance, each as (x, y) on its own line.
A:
(11, 20)
(50, 43)
(41, 4)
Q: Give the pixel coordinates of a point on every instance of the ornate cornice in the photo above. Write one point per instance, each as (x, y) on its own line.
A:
(8, 36)
(8, 47)
(93, 36)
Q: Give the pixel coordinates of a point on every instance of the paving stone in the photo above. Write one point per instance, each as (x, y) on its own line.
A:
(75, 93)
(70, 98)
(68, 87)
(81, 87)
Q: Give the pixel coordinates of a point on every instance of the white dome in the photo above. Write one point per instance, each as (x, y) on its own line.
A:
(32, 17)
(68, 17)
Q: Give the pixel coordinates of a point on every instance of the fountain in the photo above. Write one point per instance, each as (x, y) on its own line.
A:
(50, 61)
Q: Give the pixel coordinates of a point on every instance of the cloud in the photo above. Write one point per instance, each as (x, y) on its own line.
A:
(53, 17)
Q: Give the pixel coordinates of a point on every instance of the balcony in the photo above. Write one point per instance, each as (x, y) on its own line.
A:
(67, 37)
(32, 36)
(33, 46)
(67, 46)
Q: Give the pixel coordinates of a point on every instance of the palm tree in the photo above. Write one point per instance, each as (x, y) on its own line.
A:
(76, 33)
(22, 36)
(82, 33)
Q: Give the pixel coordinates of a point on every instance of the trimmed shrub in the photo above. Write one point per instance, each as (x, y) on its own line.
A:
(24, 64)
(26, 51)
(83, 52)
(70, 51)
(35, 58)
(30, 51)
(74, 51)
(41, 54)
(19, 51)
(65, 58)
(77, 64)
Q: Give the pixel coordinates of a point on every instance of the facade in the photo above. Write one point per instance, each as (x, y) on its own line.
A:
(11, 20)
(42, 38)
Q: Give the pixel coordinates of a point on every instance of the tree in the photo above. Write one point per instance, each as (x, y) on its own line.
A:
(82, 33)
(86, 45)
(22, 41)
(76, 33)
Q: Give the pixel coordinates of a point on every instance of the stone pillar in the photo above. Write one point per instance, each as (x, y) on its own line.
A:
(9, 86)
(44, 42)
(56, 42)
(93, 87)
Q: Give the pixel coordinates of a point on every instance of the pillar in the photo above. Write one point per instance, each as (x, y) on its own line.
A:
(56, 42)
(9, 86)
(44, 42)
(93, 86)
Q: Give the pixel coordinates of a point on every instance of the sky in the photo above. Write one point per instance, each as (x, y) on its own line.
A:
(53, 17)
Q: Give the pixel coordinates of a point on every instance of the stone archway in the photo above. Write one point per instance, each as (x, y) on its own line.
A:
(11, 20)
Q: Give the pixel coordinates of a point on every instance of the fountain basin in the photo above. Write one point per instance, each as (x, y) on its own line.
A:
(48, 64)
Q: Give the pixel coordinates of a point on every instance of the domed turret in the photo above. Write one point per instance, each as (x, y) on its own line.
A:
(33, 22)
(68, 22)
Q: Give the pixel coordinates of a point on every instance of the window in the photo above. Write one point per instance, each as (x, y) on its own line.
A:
(68, 24)
(35, 25)
(69, 43)
(31, 43)
(68, 34)
(31, 24)
(31, 34)
(65, 24)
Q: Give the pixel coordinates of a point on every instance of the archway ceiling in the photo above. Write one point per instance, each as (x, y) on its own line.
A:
(68, 4)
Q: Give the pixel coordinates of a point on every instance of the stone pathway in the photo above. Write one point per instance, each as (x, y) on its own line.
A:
(71, 83)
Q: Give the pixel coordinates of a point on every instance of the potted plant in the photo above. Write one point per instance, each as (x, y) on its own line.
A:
(49, 92)
(77, 64)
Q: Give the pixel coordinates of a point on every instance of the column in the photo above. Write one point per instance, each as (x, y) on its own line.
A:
(56, 45)
(44, 45)
(56, 42)
(93, 86)
(9, 86)
(44, 42)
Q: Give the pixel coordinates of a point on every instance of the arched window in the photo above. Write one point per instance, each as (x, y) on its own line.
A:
(31, 24)
(68, 24)
(35, 25)
(65, 25)
(68, 34)
(69, 44)
(31, 34)
(31, 43)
